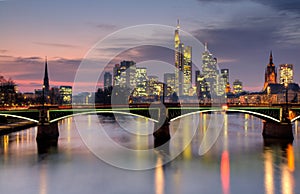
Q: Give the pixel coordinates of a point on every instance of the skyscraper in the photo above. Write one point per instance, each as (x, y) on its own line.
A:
(202, 88)
(270, 73)
(286, 73)
(169, 80)
(179, 55)
(124, 74)
(210, 70)
(141, 81)
(187, 70)
(107, 80)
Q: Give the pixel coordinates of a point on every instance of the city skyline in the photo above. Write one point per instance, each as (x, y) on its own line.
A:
(240, 45)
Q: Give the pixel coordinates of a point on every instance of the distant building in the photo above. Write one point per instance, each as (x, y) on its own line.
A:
(169, 80)
(210, 70)
(270, 73)
(202, 87)
(187, 70)
(107, 79)
(178, 47)
(117, 75)
(141, 81)
(237, 86)
(286, 74)
(65, 94)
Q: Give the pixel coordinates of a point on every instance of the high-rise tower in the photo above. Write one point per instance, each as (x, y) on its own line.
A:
(179, 55)
(210, 70)
(46, 79)
(270, 73)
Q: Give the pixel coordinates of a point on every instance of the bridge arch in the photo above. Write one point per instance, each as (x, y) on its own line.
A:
(256, 114)
(95, 112)
(295, 119)
(19, 117)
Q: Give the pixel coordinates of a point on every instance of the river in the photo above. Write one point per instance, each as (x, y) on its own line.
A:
(98, 154)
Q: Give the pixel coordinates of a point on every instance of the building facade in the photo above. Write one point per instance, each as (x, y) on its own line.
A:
(286, 74)
(107, 80)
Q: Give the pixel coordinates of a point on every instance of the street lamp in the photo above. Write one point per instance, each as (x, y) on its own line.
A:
(286, 86)
(43, 96)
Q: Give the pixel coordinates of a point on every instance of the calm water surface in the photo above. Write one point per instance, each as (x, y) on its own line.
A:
(239, 162)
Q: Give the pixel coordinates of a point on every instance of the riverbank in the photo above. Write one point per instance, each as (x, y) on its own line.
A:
(17, 126)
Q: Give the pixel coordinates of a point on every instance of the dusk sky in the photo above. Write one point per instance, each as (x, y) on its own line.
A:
(240, 33)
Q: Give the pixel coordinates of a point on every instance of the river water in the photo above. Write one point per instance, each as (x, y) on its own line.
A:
(98, 154)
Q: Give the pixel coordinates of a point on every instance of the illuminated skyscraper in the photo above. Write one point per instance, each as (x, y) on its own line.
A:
(141, 81)
(169, 80)
(107, 80)
(286, 73)
(270, 73)
(187, 70)
(126, 74)
(202, 88)
(210, 70)
(179, 55)
(222, 82)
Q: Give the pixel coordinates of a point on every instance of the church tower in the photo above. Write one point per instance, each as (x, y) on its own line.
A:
(270, 73)
(46, 79)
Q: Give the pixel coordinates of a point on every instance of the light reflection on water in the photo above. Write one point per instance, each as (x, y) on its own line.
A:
(239, 162)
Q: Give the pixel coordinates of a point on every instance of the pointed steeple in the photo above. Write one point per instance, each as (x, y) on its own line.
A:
(46, 78)
(178, 26)
(271, 59)
(205, 47)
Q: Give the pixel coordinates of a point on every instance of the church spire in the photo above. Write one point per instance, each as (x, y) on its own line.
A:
(271, 59)
(46, 78)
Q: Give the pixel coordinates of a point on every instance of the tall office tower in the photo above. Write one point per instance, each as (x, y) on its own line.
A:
(179, 55)
(202, 88)
(270, 73)
(117, 75)
(187, 70)
(237, 86)
(286, 73)
(107, 80)
(169, 81)
(46, 79)
(210, 70)
(127, 74)
(225, 75)
(141, 81)
(222, 82)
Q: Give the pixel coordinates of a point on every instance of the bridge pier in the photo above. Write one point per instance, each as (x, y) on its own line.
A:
(273, 130)
(48, 133)
(161, 128)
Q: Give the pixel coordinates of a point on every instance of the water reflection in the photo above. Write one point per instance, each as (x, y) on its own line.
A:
(235, 164)
(159, 177)
(279, 162)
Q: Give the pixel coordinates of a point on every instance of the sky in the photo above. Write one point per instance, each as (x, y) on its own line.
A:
(240, 33)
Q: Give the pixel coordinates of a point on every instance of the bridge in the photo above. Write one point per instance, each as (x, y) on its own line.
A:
(56, 113)
(47, 117)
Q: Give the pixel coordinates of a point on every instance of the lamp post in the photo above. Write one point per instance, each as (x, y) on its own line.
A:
(43, 96)
(286, 85)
